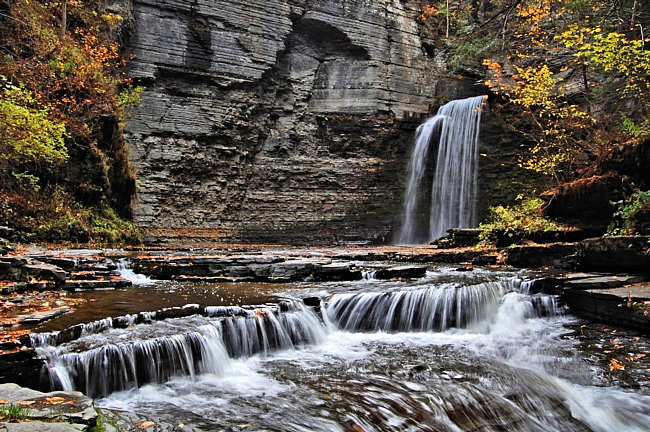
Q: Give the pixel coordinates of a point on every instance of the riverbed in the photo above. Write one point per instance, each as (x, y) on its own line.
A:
(451, 351)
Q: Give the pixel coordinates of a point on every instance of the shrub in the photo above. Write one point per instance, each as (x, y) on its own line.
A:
(626, 213)
(520, 220)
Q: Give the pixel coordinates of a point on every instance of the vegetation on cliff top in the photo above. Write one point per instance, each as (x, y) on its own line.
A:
(64, 170)
(570, 77)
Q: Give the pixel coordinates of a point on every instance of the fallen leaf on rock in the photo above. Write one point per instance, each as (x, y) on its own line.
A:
(3, 402)
(144, 424)
(58, 400)
(615, 365)
(25, 403)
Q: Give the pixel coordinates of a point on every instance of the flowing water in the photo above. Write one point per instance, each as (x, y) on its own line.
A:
(453, 194)
(453, 351)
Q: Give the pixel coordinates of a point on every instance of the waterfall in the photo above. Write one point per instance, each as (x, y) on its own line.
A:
(435, 308)
(453, 194)
(107, 355)
(105, 360)
(423, 135)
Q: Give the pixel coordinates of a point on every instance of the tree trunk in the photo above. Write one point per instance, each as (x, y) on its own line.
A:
(64, 18)
(474, 11)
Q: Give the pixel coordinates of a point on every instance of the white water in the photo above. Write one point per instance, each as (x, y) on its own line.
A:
(498, 362)
(416, 170)
(125, 270)
(453, 194)
(520, 351)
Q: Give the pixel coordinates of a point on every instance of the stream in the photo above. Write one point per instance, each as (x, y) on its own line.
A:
(452, 351)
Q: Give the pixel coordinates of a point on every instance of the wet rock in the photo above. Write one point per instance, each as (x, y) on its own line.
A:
(67, 264)
(176, 312)
(69, 334)
(261, 271)
(560, 255)
(599, 282)
(294, 270)
(402, 272)
(459, 237)
(465, 268)
(438, 256)
(312, 301)
(38, 317)
(485, 260)
(21, 268)
(81, 285)
(336, 272)
(23, 366)
(618, 254)
(611, 305)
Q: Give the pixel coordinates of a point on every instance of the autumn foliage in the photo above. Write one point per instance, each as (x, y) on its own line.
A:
(64, 99)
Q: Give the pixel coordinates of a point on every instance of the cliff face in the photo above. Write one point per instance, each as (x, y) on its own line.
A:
(276, 120)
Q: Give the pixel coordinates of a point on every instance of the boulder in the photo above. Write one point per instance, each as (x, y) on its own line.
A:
(619, 254)
(560, 255)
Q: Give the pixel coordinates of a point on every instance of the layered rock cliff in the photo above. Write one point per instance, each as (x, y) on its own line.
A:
(276, 120)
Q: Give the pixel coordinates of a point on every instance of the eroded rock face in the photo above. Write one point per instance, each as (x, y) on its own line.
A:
(276, 120)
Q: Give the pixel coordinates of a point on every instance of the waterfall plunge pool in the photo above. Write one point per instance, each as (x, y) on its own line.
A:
(450, 352)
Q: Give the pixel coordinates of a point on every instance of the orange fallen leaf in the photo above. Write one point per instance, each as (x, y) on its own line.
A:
(3, 402)
(25, 403)
(144, 424)
(615, 365)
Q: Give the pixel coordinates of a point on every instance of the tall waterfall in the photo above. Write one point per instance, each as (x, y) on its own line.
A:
(453, 195)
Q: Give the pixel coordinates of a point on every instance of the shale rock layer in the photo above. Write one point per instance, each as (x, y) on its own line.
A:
(276, 120)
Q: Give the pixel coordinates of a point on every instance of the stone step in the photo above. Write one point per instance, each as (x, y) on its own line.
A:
(92, 275)
(81, 285)
(618, 306)
(402, 272)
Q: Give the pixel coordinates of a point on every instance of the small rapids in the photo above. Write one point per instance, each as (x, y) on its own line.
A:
(485, 353)
(125, 270)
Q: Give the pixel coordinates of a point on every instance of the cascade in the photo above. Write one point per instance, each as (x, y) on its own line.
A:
(453, 194)
(125, 270)
(105, 358)
(435, 308)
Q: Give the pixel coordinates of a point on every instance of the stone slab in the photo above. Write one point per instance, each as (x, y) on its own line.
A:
(39, 426)
(602, 282)
(71, 407)
(38, 317)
